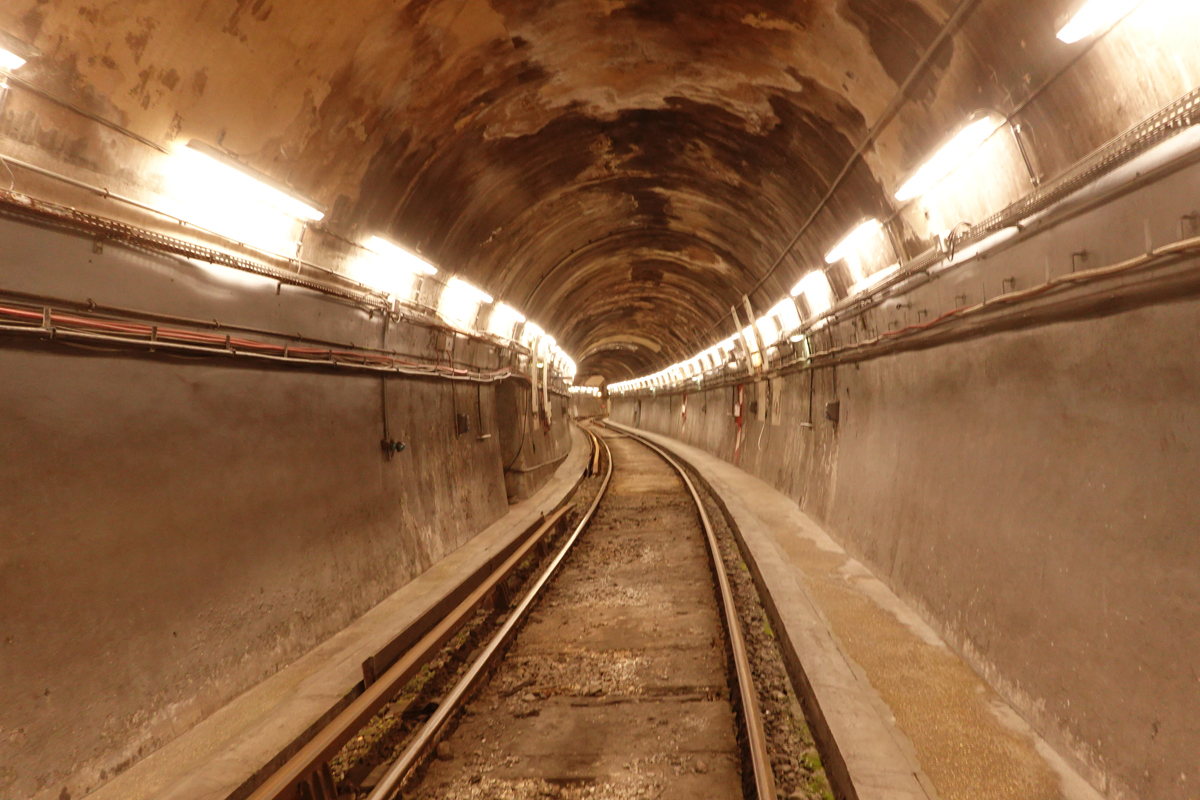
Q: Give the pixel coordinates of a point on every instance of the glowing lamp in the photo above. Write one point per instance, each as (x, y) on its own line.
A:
(10, 61)
(846, 246)
(230, 177)
(785, 310)
(1095, 15)
(949, 157)
(816, 290)
(399, 257)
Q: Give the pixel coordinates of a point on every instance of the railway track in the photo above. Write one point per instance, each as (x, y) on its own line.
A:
(619, 669)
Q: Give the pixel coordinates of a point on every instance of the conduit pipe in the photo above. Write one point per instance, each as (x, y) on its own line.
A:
(153, 338)
(833, 356)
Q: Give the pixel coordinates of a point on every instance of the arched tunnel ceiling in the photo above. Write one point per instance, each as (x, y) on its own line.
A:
(622, 170)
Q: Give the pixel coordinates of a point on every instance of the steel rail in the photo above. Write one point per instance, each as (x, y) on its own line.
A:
(427, 737)
(306, 775)
(756, 738)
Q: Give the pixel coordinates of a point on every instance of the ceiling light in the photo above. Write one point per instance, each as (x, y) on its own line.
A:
(399, 256)
(508, 310)
(845, 246)
(239, 177)
(478, 294)
(1095, 15)
(769, 329)
(949, 157)
(460, 302)
(787, 313)
(872, 281)
(504, 318)
(815, 288)
(15, 53)
(10, 61)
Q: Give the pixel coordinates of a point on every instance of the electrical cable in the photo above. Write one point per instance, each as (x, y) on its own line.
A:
(524, 414)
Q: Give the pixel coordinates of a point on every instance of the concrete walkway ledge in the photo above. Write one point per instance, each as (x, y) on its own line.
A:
(897, 714)
(267, 723)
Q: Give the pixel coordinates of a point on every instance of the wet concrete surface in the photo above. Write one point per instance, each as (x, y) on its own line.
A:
(617, 687)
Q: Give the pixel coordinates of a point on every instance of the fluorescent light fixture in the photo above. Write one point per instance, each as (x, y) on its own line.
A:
(504, 319)
(478, 295)
(399, 256)
(789, 317)
(15, 53)
(871, 281)
(239, 178)
(460, 301)
(815, 288)
(10, 61)
(1095, 15)
(510, 311)
(383, 276)
(768, 329)
(949, 157)
(852, 240)
(532, 335)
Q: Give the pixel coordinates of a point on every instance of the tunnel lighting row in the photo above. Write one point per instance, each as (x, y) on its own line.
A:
(868, 237)
(590, 391)
(382, 265)
(395, 271)
(213, 189)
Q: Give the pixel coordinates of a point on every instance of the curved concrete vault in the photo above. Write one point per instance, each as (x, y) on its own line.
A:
(623, 172)
(613, 167)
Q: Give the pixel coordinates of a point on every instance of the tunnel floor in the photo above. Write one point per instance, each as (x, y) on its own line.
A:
(617, 687)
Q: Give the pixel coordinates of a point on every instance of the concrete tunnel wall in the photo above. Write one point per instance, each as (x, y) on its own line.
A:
(174, 530)
(1031, 492)
(623, 172)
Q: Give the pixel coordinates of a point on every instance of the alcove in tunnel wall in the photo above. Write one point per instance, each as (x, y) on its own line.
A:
(532, 445)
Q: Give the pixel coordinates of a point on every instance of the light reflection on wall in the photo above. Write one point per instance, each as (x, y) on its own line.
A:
(227, 202)
(460, 301)
(380, 272)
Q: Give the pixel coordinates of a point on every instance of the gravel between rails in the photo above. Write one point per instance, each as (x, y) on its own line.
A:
(797, 765)
(364, 759)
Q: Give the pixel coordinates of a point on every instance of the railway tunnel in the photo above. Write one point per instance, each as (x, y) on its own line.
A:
(310, 312)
